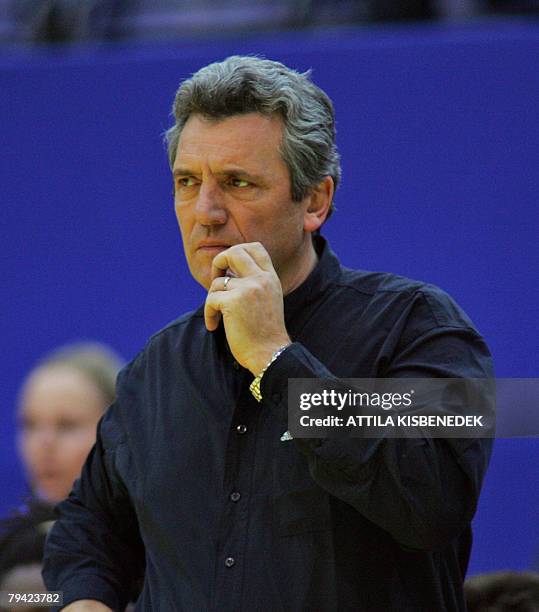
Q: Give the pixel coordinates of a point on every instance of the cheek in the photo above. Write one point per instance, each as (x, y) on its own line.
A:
(25, 450)
(73, 447)
(184, 218)
(185, 233)
(29, 447)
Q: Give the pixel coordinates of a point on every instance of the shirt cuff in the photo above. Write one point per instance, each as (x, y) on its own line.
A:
(294, 362)
(89, 587)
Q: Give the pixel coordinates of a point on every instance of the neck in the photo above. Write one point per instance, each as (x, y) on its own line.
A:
(301, 271)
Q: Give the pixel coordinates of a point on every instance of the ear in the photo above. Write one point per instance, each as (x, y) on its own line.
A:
(317, 204)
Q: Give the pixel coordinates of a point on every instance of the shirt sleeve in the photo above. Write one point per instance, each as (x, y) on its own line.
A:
(423, 491)
(94, 549)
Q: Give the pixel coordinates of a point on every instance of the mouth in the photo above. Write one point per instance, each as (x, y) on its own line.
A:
(212, 248)
(49, 482)
(48, 475)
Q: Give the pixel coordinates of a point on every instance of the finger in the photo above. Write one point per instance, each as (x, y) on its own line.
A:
(240, 262)
(259, 253)
(212, 310)
(221, 284)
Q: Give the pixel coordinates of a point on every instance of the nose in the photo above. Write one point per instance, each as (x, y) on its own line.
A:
(46, 438)
(210, 207)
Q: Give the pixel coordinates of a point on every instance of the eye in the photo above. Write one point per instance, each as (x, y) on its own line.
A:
(241, 183)
(185, 181)
(64, 426)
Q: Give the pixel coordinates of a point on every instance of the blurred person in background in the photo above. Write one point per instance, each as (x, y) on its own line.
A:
(503, 592)
(71, 21)
(22, 539)
(60, 404)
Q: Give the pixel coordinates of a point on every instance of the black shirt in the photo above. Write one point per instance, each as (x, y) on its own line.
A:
(190, 485)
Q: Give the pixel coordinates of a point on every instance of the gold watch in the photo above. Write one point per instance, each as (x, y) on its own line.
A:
(254, 387)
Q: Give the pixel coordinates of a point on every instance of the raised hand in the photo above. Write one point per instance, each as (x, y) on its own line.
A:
(250, 302)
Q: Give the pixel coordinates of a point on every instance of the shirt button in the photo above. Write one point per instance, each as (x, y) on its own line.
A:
(241, 429)
(230, 561)
(235, 497)
(236, 365)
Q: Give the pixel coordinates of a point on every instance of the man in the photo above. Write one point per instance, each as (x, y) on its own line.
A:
(192, 483)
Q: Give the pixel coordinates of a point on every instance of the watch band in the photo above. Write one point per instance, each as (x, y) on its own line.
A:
(254, 387)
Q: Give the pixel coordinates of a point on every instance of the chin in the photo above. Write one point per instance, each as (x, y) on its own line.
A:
(204, 280)
(200, 273)
(52, 495)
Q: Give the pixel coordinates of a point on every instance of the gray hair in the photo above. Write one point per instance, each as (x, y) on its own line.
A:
(246, 84)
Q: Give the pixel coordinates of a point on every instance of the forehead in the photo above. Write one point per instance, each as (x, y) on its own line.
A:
(58, 388)
(241, 139)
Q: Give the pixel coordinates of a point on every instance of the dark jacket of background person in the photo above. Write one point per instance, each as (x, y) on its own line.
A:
(189, 473)
(22, 539)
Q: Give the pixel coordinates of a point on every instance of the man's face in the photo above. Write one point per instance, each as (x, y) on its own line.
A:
(232, 186)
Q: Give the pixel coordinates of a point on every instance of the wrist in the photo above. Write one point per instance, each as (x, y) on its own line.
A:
(264, 356)
(254, 387)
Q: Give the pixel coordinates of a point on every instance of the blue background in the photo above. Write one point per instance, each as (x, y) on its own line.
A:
(438, 129)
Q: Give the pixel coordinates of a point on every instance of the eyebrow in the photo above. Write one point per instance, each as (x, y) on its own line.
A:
(229, 172)
(181, 172)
